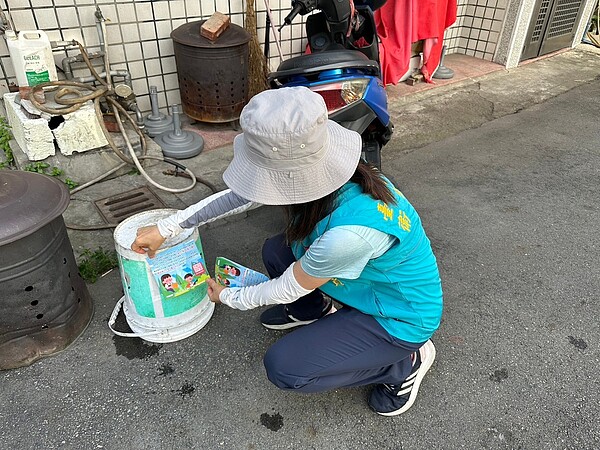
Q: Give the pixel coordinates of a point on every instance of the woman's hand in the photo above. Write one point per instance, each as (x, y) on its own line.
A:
(214, 289)
(148, 240)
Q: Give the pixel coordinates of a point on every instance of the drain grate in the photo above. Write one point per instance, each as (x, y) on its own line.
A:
(119, 207)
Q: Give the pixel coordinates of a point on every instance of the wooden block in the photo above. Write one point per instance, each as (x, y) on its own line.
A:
(215, 25)
(414, 79)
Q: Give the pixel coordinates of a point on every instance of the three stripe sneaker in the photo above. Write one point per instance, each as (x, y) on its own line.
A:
(395, 399)
(279, 318)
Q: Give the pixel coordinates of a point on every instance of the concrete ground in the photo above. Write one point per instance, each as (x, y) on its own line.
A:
(504, 172)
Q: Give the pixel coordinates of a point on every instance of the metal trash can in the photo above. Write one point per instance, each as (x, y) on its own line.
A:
(213, 76)
(44, 302)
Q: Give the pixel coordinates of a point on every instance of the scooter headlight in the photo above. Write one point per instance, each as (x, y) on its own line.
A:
(339, 95)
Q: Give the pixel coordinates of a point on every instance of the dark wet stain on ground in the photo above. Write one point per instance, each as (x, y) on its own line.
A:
(578, 343)
(135, 348)
(164, 370)
(186, 389)
(499, 375)
(272, 422)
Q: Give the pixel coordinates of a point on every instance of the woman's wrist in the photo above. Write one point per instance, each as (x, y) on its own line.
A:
(168, 227)
(228, 297)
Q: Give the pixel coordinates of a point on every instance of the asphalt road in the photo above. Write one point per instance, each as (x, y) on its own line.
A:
(512, 209)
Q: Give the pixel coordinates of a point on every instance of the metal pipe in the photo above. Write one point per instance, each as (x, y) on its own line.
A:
(126, 77)
(154, 102)
(139, 117)
(175, 112)
(66, 66)
(7, 21)
(68, 62)
(99, 20)
(113, 73)
(56, 44)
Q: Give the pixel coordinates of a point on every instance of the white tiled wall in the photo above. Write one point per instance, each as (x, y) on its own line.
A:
(476, 31)
(138, 34)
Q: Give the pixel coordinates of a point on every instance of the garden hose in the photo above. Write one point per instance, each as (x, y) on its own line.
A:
(74, 95)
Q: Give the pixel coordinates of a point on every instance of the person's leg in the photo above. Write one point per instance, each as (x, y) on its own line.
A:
(277, 257)
(344, 349)
(391, 399)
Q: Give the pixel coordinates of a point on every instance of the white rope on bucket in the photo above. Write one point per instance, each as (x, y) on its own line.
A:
(113, 319)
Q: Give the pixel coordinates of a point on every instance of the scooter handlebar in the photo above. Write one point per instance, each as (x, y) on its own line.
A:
(297, 9)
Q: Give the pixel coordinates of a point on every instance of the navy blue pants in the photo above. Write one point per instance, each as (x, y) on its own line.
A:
(347, 348)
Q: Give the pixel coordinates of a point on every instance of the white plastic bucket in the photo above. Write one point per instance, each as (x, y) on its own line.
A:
(150, 315)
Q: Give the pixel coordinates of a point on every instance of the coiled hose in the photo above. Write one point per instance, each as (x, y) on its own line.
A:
(73, 95)
(70, 94)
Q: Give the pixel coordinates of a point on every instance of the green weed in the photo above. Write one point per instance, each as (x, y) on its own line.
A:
(44, 168)
(96, 263)
(56, 172)
(5, 137)
(70, 183)
(38, 167)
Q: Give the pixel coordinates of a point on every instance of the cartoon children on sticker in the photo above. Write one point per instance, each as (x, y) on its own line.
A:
(168, 282)
(231, 270)
(190, 281)
(223, 281)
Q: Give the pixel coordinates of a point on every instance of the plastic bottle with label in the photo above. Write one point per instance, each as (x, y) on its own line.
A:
(31, 55)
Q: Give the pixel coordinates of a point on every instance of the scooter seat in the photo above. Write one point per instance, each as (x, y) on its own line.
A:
(326, 60)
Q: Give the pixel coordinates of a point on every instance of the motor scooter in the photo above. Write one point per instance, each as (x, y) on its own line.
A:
(343, 67)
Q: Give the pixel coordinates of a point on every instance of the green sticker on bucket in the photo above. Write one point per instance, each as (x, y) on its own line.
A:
(136, 286)
(180, 274)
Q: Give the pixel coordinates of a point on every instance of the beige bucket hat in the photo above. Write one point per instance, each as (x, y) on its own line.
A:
(289, 152)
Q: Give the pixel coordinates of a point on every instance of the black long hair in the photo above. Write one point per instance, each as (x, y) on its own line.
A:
(302, 218)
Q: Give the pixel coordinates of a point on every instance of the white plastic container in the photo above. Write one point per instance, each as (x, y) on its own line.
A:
(151, 316)
(32, 59)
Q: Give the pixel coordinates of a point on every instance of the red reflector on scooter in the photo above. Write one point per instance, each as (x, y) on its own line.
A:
(333, 99)
(338, 95)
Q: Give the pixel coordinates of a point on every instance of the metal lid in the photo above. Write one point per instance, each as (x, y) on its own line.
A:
(28, 201)
(189, 34)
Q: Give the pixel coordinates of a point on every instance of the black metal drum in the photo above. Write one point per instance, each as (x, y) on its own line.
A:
(213, 76)
(44, 302)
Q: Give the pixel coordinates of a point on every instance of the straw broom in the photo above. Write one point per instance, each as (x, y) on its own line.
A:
(257, 67)
(595, 37)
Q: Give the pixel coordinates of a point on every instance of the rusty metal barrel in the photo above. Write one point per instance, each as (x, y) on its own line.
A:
(213, 76)
(44, 302)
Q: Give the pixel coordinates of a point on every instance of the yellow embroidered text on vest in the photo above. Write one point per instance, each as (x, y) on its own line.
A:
(403, 221)
(388, 213)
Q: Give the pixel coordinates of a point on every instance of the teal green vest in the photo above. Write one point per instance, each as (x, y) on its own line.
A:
(401, 288)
